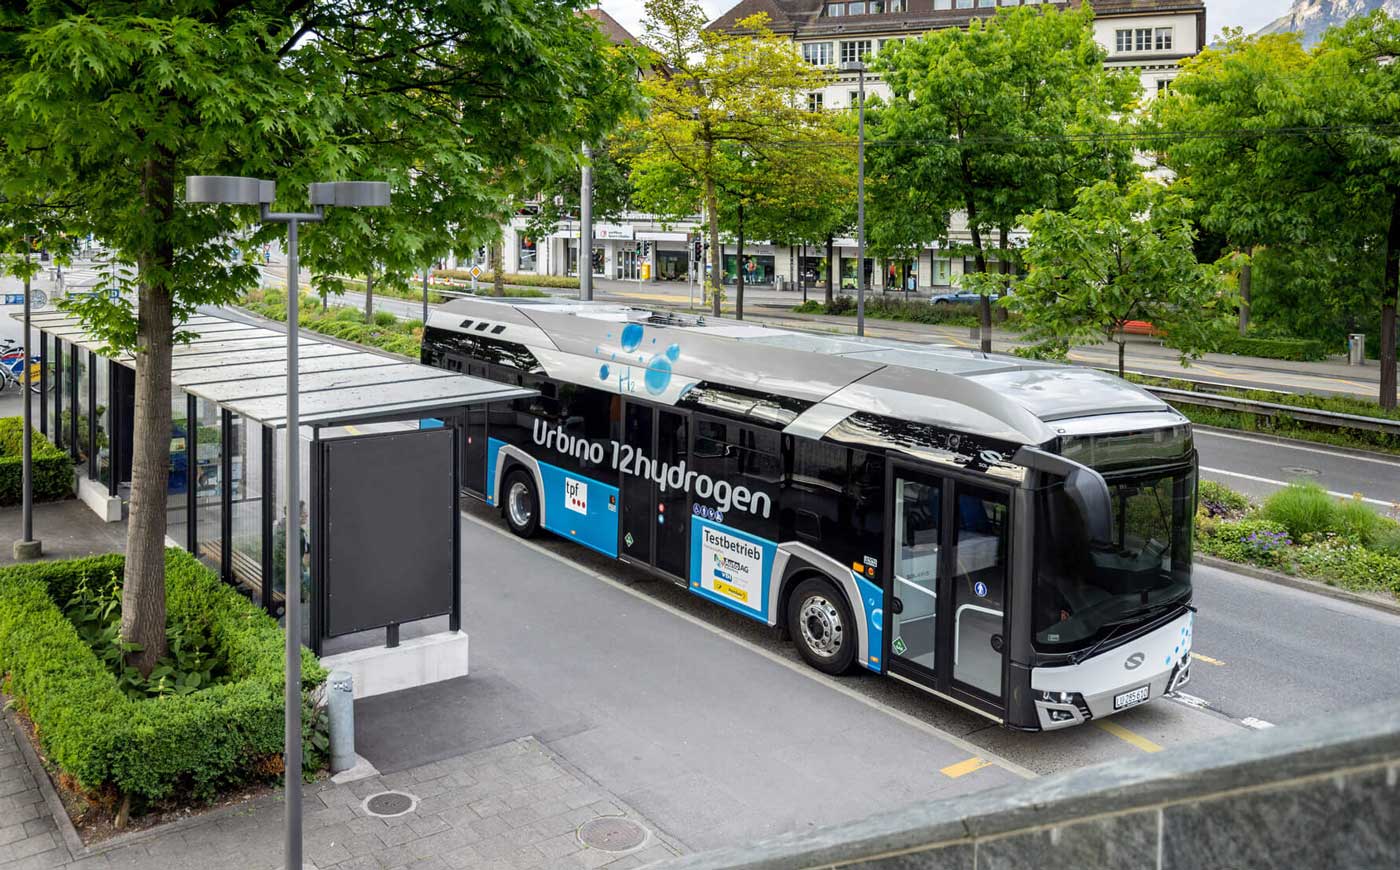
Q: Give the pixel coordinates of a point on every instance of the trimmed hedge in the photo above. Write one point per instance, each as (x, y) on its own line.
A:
(151, 748)
(1293, 349)
(53, 467)
(519, 279)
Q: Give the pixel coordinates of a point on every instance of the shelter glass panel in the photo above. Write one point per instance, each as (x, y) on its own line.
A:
(299, 549)
(51, 410)
(105, 436)
(177, 503)
(80, 378)
(248, 496)
(209, 483)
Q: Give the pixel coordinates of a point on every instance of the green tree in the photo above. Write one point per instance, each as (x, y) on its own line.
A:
(612, 188)
(725, 100)
(1314, 165)
(108, 105)
(1114, 257)
(990, 123)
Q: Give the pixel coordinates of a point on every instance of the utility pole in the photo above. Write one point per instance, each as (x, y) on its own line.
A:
(585, 236)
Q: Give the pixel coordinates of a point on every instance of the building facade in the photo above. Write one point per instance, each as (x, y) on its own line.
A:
(1149, 36)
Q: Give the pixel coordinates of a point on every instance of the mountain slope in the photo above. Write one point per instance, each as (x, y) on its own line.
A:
(1312, 17)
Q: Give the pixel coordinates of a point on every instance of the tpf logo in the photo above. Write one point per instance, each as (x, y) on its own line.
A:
(1134, 661)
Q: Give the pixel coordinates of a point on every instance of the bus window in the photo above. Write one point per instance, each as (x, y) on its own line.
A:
(979, 587)
(740, 455)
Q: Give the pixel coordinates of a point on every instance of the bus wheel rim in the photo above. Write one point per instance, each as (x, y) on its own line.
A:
(822, 630)
(519, 504)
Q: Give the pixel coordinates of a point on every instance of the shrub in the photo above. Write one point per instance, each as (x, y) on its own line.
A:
(155, 747)
(1218, 500)
(1351, 565)
(1304, 509)
(1296, 349)
(1357, 522)
(52, 466)
(523, 279)
(1256, 542)
(384, 318)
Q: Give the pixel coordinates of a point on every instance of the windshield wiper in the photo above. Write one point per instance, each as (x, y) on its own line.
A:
(1116, 625)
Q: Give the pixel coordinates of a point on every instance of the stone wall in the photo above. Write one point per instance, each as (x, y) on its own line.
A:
(1325, 793)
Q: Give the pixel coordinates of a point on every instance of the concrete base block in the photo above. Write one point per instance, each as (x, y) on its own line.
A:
(26, 550)
(414, 662)
(94, 495)
(363, 769)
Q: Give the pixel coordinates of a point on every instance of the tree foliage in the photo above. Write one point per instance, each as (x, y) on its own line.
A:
(1118, 256)
(990, 123)
(728, 103)
(107, 105)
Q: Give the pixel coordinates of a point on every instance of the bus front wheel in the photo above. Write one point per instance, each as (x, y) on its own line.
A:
(522, 504)
(821, 625)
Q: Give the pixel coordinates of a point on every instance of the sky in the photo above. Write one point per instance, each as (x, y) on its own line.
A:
(1249, 14)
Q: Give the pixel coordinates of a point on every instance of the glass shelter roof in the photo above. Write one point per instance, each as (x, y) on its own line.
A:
(242, 367)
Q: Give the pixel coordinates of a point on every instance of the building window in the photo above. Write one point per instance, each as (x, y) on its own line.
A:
(855, 50)
(1123, 40)
(892, 41)
(817, 53)
(855, 98)
(876, 7)
(814, 101)
(857, 8)
(1142, 39)
(1164, 39)
(1164, 85)
(835, 10)
(893, 6)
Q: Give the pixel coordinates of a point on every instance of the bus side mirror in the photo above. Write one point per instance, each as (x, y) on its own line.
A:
(1088, 491)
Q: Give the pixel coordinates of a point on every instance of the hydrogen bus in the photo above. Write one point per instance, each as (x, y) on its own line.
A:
(1012, 536)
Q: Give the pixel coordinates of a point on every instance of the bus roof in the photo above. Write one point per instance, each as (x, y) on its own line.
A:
(999, 396)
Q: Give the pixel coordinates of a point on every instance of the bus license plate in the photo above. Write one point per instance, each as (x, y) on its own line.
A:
(1129, 698)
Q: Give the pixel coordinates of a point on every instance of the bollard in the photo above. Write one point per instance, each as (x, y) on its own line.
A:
(340, 709)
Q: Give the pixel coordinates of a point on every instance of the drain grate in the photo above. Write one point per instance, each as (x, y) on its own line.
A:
(387, 804)
(1300, 471)
(612, 834)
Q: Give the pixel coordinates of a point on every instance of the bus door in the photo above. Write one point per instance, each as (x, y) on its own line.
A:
(655, 520)
(949, 548)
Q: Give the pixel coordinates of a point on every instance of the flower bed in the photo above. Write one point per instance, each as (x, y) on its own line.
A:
(171, 737)
(1302, 530)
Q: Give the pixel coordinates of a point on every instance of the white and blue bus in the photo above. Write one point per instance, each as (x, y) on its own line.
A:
(1012, 536)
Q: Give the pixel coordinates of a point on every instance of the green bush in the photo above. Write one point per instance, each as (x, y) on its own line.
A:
(1251, 541)
(1218, 500)
(1295, 349)
(52, 466)
(520, 279)
(227, 734)
(1357, 522)
(1305, 509)
(1344, 563)
(896, 307)
(384, 318)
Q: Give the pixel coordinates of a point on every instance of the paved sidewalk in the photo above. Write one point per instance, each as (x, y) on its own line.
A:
(514, 807)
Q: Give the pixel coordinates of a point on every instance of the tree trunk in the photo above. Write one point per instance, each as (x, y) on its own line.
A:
(802, 272)
(1122, 349)
(1246, 286)
(716, 254)
(369, 297)
(1389, 293)
(143, 592)
(739, 269)
(498, 285)
(984, 314)
(1004, 268)
(831, 265)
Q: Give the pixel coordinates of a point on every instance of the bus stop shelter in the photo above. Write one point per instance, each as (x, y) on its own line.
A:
(378, 536)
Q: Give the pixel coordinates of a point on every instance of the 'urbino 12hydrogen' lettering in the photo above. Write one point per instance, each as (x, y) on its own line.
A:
(627, 459)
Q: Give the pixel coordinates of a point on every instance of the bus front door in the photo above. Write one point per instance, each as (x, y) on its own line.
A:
(654, 528)
(947, 589)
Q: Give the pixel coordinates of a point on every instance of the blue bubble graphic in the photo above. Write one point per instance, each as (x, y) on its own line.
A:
(673, 352)
(631, 336)
(603, 372)
(658, 376)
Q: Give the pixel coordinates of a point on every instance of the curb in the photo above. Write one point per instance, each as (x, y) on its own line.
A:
(1314, 586)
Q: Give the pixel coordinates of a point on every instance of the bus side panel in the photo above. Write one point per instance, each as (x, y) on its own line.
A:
(580, 508)
(730, 567)
(873, 599)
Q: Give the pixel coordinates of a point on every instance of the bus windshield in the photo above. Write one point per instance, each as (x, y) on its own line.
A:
(1084, 593)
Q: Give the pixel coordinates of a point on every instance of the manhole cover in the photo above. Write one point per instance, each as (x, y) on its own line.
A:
(1300, 471)
(612, 834)
(389, 803)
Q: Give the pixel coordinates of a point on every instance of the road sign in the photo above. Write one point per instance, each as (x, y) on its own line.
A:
(475, 271)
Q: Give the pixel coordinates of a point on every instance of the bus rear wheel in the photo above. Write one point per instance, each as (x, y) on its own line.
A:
(820, 623)
(521, 504)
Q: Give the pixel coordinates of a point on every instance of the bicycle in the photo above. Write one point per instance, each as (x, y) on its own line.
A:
(12, 368)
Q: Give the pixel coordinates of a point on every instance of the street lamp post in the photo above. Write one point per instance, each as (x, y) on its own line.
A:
(233, 190)
(27, 548)
(585, 236)
(858, 67)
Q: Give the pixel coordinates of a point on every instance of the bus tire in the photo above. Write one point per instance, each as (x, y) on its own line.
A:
(821, 626)
(520, 503)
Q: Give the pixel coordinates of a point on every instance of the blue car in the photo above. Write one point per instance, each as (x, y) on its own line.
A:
(963, 297)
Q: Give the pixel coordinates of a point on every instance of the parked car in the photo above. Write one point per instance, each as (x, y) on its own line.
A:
(959, 297)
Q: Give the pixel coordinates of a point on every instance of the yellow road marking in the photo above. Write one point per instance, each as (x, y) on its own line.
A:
(1127, 736)
(352, 430)
(1197, 657)
(963, 768)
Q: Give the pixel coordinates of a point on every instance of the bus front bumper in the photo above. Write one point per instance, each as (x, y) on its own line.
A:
(1119, 679)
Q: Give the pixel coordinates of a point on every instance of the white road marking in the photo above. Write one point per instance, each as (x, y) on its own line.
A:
(1283, 483)
(1190, 700)
(1257, 724)
(1268, 443)
(803, 670)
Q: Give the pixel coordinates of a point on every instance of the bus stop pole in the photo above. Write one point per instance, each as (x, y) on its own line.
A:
(585, 236)
(27, 548)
